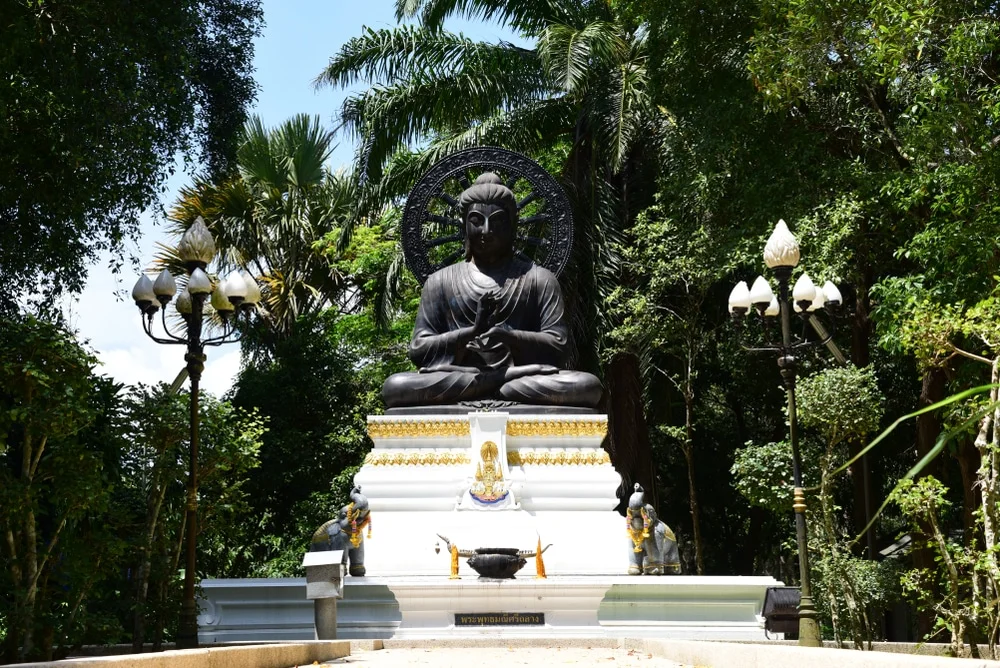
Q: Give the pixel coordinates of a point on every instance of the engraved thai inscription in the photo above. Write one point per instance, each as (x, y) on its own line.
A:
(499, 619)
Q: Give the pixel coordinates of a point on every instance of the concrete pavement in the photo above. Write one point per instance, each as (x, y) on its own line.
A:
(505, 657)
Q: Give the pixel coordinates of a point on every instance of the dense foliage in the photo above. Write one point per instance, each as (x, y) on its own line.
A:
(99, 99)
(682, 131)
(92, 506)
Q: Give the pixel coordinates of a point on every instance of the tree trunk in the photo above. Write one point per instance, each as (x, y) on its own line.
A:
(986, 443)
(828, 537)
(932, 390)
(629, 445)
(688, 449)
(969, 462)
(30, 563)
(155, 502)
(749, 566)
(12, 641)
(861, 332)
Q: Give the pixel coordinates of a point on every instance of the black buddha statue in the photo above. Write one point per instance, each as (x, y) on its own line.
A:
(491, 327)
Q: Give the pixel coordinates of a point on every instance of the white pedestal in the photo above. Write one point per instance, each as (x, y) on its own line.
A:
(561, 489)
(678, 607)
(429, 605)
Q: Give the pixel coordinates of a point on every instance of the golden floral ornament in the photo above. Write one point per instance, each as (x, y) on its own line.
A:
(357, 527)
(417, 457)
(637, 534)
(557, 457)
(489, 485)
(418, 428)
(557, 428)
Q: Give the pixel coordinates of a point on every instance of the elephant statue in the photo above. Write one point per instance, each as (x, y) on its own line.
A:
(346, 533)
(652, 545)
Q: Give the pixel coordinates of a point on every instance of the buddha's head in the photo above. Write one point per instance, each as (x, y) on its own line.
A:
(489, 211)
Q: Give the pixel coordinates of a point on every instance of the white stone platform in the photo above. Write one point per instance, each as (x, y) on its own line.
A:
(492, 480)
(559, 483)
(679, 606)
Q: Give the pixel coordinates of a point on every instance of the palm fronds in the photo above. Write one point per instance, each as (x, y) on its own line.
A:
(269, 217)
(528, 16)
(444, 83)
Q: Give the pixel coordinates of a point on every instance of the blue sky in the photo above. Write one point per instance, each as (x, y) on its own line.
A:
(298, 40)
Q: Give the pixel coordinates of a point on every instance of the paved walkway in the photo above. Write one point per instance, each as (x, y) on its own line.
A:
(482, 657)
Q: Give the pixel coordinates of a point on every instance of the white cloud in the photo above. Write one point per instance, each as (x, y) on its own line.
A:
(149, 362)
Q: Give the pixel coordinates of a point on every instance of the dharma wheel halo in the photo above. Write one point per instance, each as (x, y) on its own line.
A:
(433, 231)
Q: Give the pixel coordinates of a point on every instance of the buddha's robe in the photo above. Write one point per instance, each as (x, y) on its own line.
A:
(527, 369)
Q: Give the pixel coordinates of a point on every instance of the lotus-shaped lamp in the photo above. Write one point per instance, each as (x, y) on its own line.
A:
(165, 287)
(183, 303)
(197, 247)
(199, 283)
(142, 293)
(833, 296)
(235, 288)
(781, 250)
(819, 300)
(739, 299)
(253, 290)
(221, 303)
(803, 292)
(760, 293)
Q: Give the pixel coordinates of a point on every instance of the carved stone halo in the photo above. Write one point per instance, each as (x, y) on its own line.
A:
(433, 231)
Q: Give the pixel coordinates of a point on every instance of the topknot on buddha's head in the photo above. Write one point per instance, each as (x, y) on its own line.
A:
(488, 188)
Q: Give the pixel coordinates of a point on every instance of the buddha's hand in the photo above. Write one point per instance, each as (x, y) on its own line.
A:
(496, 335)
(485, 313)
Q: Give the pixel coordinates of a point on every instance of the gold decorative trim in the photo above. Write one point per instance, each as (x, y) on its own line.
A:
(419, 458)
(418, 428)
(565, 428)
(799, 500)
(557, 457)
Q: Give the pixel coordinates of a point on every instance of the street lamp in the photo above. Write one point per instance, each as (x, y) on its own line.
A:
(781, 255)
(238, 295)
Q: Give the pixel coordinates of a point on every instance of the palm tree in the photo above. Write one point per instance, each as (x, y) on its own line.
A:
(581, 92)
(283, 200)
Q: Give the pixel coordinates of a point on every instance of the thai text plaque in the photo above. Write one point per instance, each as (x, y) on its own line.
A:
(499, 619)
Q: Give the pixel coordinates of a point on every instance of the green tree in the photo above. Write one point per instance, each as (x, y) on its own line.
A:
(952, 588)
(158, 425)
(663, 319)
(51, 480)
(315, 393)
(99, 99)
(842, 405)
(268, 217)
(151, 487)
(906, 96)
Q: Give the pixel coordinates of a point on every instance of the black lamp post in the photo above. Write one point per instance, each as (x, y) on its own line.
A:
(781, 255)
(236, 296)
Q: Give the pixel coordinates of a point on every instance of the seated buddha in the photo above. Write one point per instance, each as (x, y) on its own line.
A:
(491, 327)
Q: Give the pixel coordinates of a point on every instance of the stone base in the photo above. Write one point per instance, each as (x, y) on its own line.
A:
(552, 480)
(683, 607)
(429, 605)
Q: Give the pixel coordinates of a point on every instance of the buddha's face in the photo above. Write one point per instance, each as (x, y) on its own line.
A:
(490, 232)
